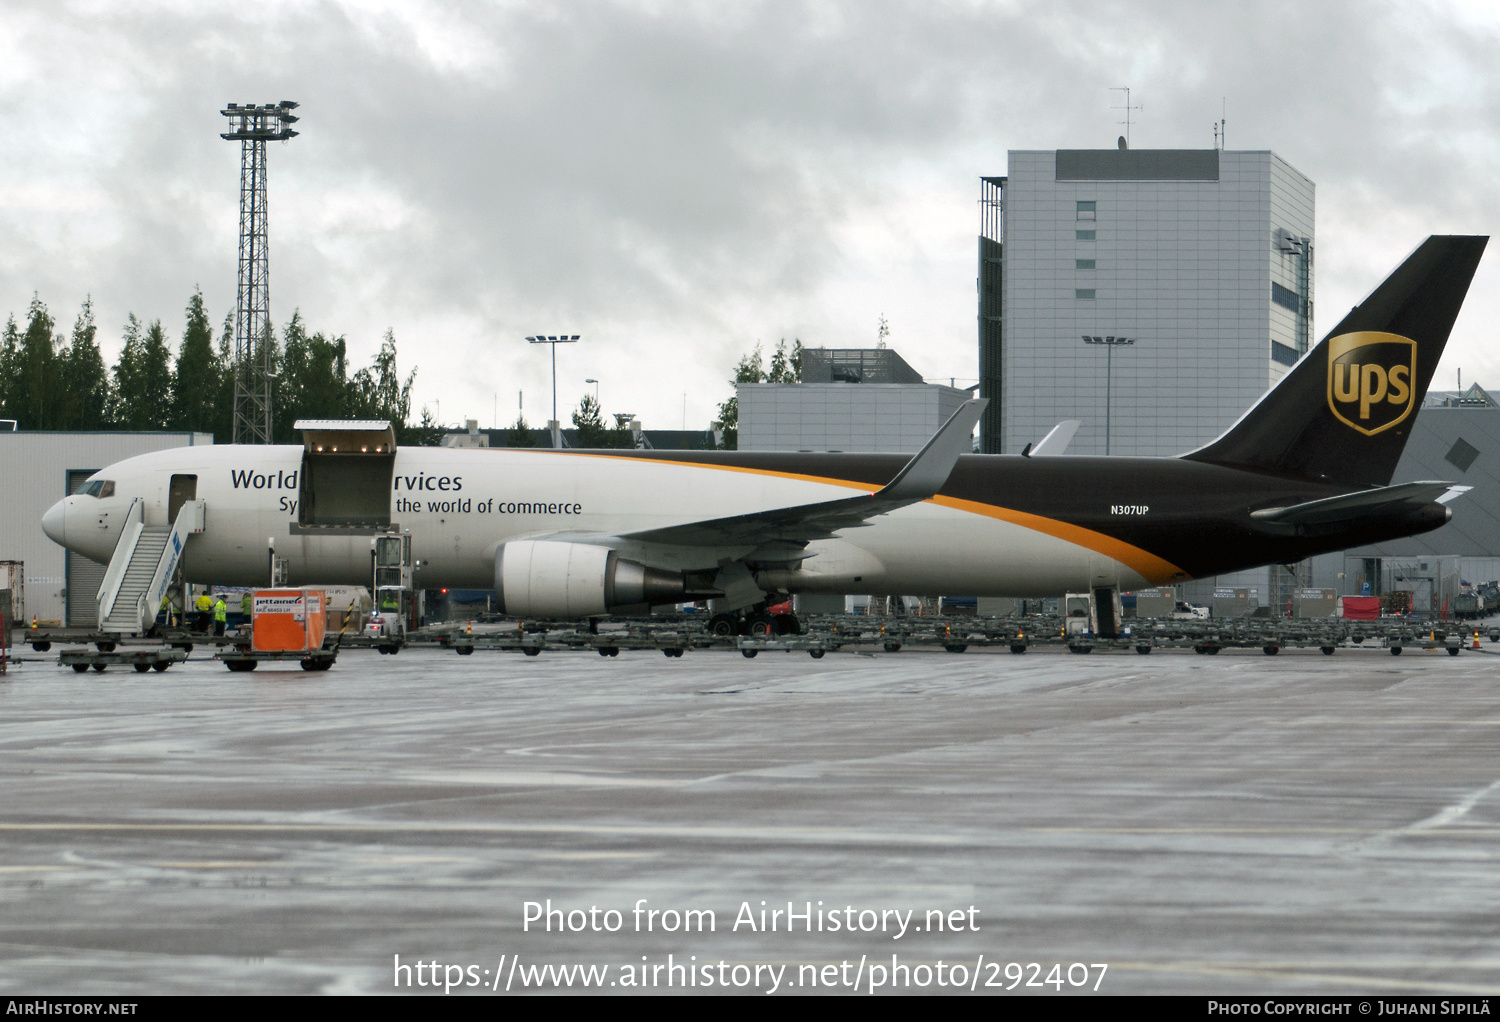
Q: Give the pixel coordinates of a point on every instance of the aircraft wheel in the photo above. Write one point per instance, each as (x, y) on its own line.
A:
(1395, 651)
(41, 647)
(1453, 651)
(893, 647)
(787, 624)
(99, 667)
(81, 668)
(1017, 648)
(1327, 650)
(674, 653)
(762, 626)
(723, 625)
(105, 647)
(1270, 650)
(604, 651)
(161, 665)
(955, 647)
(749, 654)
(816, 654)
(1214, 650)
(1143, 650)
(141, 668)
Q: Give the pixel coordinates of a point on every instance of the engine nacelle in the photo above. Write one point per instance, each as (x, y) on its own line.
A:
(554, 578)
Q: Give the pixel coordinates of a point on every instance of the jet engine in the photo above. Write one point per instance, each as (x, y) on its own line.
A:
(553, 578)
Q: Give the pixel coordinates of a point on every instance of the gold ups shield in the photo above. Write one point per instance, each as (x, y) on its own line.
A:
(1370, 379)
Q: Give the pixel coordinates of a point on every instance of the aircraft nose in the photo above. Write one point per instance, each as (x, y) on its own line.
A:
(54, 522)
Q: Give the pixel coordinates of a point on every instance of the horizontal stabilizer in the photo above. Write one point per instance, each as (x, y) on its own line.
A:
(1359, 505)
(919, 479)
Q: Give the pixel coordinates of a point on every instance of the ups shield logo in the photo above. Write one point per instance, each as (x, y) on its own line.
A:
(1370, 380)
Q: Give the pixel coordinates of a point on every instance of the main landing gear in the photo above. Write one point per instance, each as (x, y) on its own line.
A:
(756, 622)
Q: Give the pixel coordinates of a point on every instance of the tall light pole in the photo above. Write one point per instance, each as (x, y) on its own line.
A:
(1110, 344)
(596, 389)
(554, 341)
(253, 126)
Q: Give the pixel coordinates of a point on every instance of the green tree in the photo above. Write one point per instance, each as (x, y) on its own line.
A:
(588, 423)
(143, 378)
(379, 392)
(38, 398)
(786, 367)
(521, 434)
(223, 417)
(86, 379)
(10, 368)
(196, 385)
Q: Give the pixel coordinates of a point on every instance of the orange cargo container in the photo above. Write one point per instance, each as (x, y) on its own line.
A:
(286, 620)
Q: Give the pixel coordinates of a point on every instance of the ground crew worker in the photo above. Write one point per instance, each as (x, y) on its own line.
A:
(205, 611)
(221, 615)
(246, 602)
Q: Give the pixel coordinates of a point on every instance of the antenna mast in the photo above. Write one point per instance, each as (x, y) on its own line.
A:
(253, 126)
(1127, 108)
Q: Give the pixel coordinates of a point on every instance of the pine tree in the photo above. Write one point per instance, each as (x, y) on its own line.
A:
(10, 368)
(155, 378)
(143, 378)
(589, 424)
(38, 395)
(196, 384)
(86, 378)
(521, 435)
(223, 418)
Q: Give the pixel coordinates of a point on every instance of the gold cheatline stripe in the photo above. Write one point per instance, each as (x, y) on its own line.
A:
(1144, 563)
(1152, 568)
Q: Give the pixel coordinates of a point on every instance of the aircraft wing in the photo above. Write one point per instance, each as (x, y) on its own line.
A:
(1360, 504)
(919, 479)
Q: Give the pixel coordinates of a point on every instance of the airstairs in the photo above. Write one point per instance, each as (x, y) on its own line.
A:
(141, 568)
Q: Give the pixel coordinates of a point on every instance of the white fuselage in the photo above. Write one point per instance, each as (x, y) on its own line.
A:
(460, 505)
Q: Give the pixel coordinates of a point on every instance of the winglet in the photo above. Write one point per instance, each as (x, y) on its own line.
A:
(1057, 441)
(926, 473)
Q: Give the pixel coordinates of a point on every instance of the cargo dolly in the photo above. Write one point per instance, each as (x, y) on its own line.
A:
(156, 658)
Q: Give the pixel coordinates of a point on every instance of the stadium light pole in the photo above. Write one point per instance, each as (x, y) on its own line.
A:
(1110, 344)
(554, 340)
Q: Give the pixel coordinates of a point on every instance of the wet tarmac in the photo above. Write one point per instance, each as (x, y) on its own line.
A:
(1230, 824)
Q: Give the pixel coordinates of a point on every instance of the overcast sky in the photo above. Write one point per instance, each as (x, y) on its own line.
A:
(676, 181)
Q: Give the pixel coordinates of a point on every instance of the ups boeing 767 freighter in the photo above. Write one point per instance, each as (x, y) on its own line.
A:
(571, 533)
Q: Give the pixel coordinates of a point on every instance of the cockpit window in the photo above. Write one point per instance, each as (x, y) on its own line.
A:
(99, 488)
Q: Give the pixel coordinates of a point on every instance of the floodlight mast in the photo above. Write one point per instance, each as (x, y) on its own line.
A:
(1110, 344)
(554, 340)
(253, 126)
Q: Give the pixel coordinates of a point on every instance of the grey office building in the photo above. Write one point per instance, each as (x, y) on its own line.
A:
(1153, 294)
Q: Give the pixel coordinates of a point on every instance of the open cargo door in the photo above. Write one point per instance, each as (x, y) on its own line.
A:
(347, 469)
